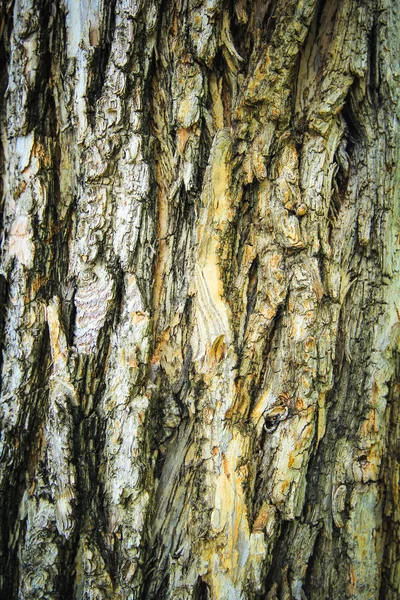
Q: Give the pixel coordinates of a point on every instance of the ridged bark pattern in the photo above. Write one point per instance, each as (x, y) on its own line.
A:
(199, 299)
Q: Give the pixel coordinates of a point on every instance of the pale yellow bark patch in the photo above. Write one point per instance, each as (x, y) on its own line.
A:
(20, 243)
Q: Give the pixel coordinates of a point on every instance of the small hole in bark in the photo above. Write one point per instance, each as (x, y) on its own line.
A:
(276, 415)
(363, 460)
(271, 424)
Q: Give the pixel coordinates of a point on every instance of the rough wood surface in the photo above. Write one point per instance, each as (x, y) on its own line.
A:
(199, 299)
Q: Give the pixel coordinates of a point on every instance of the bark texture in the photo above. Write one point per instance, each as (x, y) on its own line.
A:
(199, 299)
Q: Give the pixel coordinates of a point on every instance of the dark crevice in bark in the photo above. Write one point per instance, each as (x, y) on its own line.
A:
(67, 577)
(25, 461)
(88, 451)
(203, 158)
(161, 592)
(37, 97)
(252, 289)
(238, 26)
(51, 232)
(267, 19)
(67, 286)
(183, 220)
(374, 79)
(276, 567)
(101, 42)
(340, 183)
(168, 415)
(143, 256)
(244, 222)
(58, 43)
(311, 582)
(227, 88)
(272, 339)
(89, 440)
(240, 232)
(4, 292)
(318, 13)
(351, 113)
(298, 121)
(201, 591)
(66, 581)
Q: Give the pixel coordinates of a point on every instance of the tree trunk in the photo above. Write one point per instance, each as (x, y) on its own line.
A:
(200, 299)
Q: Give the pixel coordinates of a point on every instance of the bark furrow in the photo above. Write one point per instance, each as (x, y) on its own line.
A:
(199, 310)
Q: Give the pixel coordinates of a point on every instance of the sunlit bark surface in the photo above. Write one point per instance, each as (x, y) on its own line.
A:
(199, 299)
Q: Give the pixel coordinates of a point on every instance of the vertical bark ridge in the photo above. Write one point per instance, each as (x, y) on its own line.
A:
(199, 282)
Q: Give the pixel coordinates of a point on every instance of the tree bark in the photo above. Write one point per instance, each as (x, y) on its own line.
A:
(200, 299)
